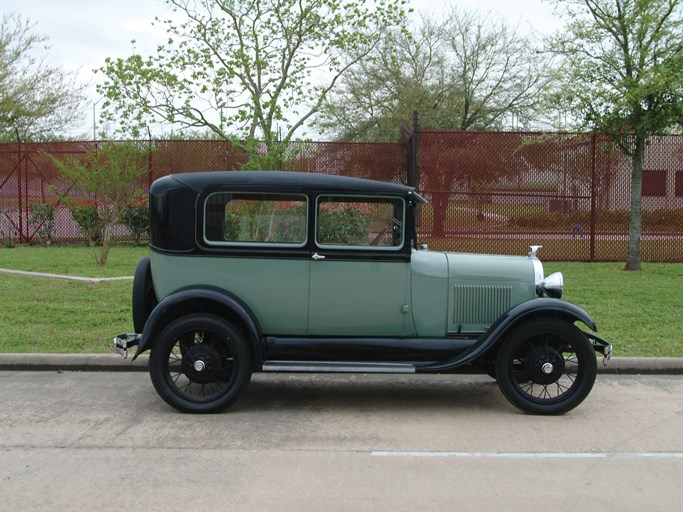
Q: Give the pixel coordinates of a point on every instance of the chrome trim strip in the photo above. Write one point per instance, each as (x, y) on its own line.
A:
(336, 367)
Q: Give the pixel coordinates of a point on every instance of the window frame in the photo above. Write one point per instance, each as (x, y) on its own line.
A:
(324, 197)
(300, 196)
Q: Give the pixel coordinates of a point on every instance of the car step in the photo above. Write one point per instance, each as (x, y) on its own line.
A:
(337, 367)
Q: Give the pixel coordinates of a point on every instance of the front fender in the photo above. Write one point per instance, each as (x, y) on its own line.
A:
(201, 300)
(495, 334)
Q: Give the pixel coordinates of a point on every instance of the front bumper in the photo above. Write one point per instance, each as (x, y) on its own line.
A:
(123, 342)
(601, 346)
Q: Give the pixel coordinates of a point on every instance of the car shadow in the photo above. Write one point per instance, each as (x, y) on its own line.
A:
(363, 392)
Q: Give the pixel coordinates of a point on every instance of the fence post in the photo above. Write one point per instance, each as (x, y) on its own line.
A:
(416, 150)
(410, 133)
(593, 212)
(20, 197)
(149, 163)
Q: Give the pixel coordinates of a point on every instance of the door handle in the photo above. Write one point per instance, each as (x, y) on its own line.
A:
(317, 256)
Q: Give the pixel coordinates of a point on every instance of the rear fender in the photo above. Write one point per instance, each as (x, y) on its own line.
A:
(203, 300)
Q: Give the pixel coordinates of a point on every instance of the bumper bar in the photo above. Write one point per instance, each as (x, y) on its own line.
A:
(601, 346)
(123, 342)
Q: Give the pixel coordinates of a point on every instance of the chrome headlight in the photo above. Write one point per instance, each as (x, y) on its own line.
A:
(553, 285)
(538, 268)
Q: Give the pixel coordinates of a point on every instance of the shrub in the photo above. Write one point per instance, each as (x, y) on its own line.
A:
(111, 173)
(664, 219)
(43, 221)
(562, 221)
(265, 221)
(135, 218)
(86, 216)
(8, 229)
(343, 223)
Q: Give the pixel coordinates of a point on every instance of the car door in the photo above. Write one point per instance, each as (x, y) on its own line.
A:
(359, 275)
(266, 263)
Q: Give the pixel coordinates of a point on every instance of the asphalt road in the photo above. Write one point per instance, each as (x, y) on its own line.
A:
(104, 441)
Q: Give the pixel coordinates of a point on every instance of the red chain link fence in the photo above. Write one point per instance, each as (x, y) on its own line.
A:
(489, 192)
(28, 176)
(501, 192)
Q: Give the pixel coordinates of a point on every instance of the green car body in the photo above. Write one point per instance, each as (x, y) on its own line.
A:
(277, 271)
(434, 294)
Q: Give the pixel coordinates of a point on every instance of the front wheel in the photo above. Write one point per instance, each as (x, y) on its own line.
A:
(200, 363)
(546, 366)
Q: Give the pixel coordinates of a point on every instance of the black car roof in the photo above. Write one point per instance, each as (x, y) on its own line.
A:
(285, 181)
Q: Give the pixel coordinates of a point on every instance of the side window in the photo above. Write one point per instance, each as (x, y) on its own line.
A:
(255, 219)
(359, 221)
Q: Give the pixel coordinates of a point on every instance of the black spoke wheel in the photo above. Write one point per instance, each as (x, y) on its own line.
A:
(546, 366)
(200, 363)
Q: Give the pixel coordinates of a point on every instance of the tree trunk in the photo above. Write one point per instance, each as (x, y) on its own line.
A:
(635, 226)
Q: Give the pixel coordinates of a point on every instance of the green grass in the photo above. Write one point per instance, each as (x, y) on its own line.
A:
(71, 260)
(54, 316)
(558, 248)
(46, 315)
(640, 312)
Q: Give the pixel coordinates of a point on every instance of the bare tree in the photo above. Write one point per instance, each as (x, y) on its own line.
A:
(493, 70)
(36, 100)
(469, 71)
(405, 72)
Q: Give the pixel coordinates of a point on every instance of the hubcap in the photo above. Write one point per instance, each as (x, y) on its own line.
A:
(543, 364)
(202, 363)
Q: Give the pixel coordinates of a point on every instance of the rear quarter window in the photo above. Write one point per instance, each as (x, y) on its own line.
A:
(255, 219)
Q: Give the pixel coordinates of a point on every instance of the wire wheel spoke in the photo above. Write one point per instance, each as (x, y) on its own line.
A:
(545, 367)
(201, 365)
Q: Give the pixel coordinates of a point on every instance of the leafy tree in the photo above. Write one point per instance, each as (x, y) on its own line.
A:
(467, 72)
(103, 183)
(252, 71)
(36, 100)
(621, 75)
(405, 72)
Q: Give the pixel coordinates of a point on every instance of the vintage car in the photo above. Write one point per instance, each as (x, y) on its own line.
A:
(269, 271)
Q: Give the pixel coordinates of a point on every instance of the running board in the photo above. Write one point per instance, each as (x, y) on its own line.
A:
(336, 367)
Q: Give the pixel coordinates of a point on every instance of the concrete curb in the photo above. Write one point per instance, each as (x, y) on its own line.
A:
(72, 362)
(115, 363)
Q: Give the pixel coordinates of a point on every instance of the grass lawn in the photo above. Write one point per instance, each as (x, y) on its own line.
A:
(641, 313)
(49, 315)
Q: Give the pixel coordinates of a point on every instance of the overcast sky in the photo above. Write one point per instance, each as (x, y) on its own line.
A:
(83, 33)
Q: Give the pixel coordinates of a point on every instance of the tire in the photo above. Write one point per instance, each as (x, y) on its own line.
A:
(200, 363)
(144, 296)
(546, 366)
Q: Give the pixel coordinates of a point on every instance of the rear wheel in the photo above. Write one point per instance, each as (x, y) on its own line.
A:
(200, 363)
(546, 366)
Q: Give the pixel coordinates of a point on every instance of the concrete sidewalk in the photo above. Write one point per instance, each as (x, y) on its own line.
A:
(114, 362)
